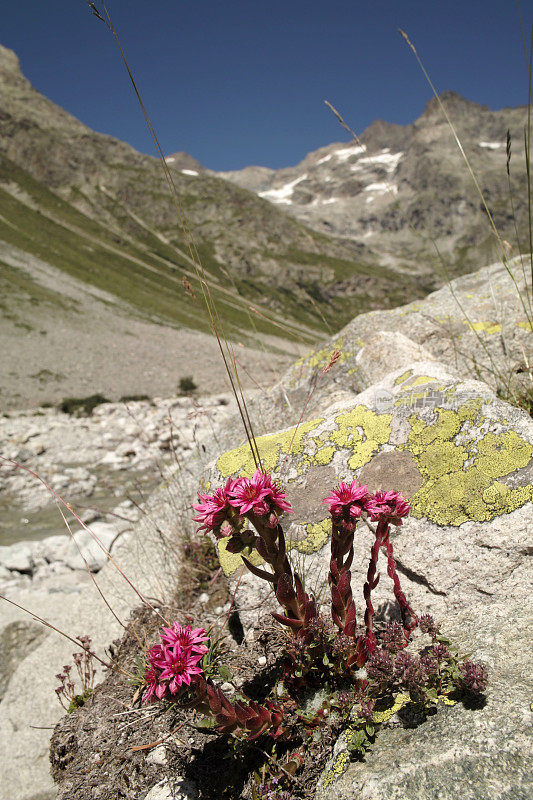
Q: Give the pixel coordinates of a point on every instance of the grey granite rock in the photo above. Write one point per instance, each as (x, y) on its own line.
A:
(465, 460)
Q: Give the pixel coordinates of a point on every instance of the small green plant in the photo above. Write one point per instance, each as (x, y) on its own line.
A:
(66, 692)
(187, 385)
(82, 406)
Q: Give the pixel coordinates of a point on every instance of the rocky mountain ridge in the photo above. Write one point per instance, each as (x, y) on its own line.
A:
(397, 183)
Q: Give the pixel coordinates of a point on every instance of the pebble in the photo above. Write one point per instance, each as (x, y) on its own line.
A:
(158, 755)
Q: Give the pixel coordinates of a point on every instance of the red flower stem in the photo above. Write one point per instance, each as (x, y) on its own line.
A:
(244, 718)
(371, 583)
(405, 609)
(273, 550)
(339, 578)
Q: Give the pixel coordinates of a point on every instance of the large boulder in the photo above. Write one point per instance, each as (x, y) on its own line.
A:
(479, 325)
(464, 458)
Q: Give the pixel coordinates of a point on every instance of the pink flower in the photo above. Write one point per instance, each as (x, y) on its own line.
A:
(155, 689)
(276, 496)
(346, 504)
(249, 494)
(154, 653)
(186, 638)
(213, 509)
(259, 495)
(174, 663)
(387, 507)
(178, 666)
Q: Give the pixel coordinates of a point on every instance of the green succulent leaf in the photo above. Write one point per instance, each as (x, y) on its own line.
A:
(225, 673)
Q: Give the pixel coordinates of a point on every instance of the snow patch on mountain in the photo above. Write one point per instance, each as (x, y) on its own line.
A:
(347, 152)
(283, 194)
(389, 160)
(381, 187)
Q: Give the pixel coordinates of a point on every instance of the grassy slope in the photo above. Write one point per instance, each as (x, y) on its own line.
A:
(115, 243)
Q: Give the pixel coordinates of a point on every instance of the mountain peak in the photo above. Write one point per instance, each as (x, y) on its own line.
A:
(9, 62)
(182, 160)
(454, 103)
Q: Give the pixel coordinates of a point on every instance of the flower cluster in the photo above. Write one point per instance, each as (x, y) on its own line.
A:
(348, 502)
(387, 506)
(174, 663)
(318, 653)
(225, 512)
(474, 677)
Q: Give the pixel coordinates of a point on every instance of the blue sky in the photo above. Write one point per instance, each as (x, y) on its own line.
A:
(243, 82)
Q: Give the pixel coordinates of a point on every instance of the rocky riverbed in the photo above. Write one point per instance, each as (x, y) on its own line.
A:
(104, 465)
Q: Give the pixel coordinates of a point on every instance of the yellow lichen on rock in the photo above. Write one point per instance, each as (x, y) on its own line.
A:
(363, 432)
(440, 458)
(403, 377)
(420, 381)
(323, 455)
(231, 561)
(464, 466)
(337, 769)
(502, 453)
(321, 358)
(270, 447)
(318, 534)
(461, 479)
(484, 327)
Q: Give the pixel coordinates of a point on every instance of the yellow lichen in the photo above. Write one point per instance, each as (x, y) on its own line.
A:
(323, 454)
(502, 453)
(400, 701)
(337, 769)
(420, 381)
(318, 534)
(461, 480)
(441, 457)
(403, 377)
(421, 434)
(485, 327)
(320, 358)
(270, 447)
(363, 432)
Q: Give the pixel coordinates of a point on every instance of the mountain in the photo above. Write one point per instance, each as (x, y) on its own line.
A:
(94, 208)
(400, 187)
(91, 251)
